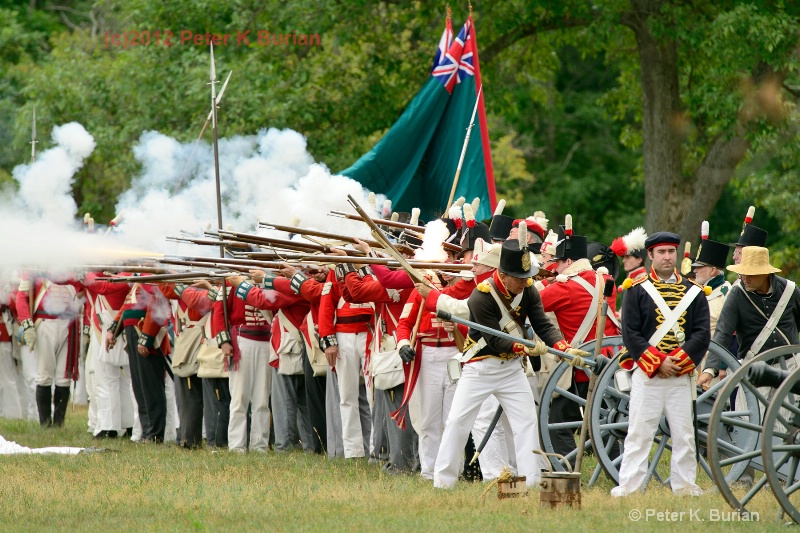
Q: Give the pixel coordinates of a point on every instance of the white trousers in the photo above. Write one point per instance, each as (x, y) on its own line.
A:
(27, 382)
(251, 385)
(9, 392)
(650, 399)
(87, 377)
(506, 381)
(435, 392)
(51, 352)
(499, 450)
(109, 382)
(352, 353)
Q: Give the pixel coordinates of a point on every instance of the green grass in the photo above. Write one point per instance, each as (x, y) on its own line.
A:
(165, 488)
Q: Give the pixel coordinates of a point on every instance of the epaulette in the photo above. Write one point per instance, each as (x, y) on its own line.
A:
(483, 286)
(530, 282)
(638, 281)
(693, 282)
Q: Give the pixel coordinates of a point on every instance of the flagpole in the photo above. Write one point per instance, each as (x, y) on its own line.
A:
(463, 151)
(199, 137)
(213, 82)
(33, 137)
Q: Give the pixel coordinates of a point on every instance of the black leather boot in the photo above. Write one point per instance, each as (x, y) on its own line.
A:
(43, 399)
(60, 402)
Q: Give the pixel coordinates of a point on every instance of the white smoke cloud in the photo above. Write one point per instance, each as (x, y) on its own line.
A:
(268, 177)
(265, 177)
(45, 186)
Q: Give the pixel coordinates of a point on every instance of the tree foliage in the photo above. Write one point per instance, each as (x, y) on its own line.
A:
(571, 113)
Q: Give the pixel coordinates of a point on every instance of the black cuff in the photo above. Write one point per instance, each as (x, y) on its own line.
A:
(365, 271)
(223, 337)
(343, 269)
(146, 340)
(327, 342)
(297, 281)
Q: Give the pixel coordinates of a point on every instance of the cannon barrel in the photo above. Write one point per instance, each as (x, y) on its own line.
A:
(763, 375)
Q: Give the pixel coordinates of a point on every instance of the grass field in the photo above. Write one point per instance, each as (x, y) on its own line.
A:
(145, 487)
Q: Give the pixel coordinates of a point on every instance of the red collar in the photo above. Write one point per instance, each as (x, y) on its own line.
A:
(655, 277)
(637, 272)
(483, 277)
(499, 284)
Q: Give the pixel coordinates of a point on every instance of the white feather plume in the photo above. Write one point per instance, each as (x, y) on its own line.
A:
(476, 204)
(415, 216)
(704, 229)
(501, 205)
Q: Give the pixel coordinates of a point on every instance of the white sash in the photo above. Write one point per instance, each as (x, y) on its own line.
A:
(507, 324)
(772, 323)
(589, 319)
(671, 316)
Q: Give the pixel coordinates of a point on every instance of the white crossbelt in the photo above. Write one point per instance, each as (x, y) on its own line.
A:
(589, 319)
(671, 316)
(507, 324)
(772, 323)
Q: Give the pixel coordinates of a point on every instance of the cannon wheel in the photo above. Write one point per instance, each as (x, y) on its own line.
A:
(609, 422)
(781, 451)
(551, 388)
(739, 424)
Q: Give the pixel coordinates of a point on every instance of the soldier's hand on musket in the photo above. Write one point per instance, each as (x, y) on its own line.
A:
(235, 281)
(668, 368)
(332, 354)
(361, 245)
(287, 270)
(202, 284)
(338, 251)
(449, 327)
(407, 353)
(257, 276)
(423, 289)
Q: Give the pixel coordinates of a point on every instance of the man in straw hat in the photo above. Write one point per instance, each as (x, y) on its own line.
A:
(764, 311)
(492, 364)
(665, 327)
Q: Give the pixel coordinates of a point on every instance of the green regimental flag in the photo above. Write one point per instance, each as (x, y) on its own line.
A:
(415, 163)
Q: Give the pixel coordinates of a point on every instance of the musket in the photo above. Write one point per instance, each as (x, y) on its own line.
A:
(601, 326)
(281, 243)
(172, 278)
(391, 263)
(415, 231)
(210, 242)
(119, 268)
(199, 137)
(320, 234)
(243, 265)
(213, 82)
(378, 235)
(464, 150)
(33, 137)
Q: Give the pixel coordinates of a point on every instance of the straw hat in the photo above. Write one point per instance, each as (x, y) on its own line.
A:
(755, 262)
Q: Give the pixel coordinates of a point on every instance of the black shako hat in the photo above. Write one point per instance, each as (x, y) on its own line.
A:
(515, 257)
(471, 234)
(662, 238)
(501, 227)
(600, 255)
(570, 246)
(712, 253)
(515, 262)
(752, 236)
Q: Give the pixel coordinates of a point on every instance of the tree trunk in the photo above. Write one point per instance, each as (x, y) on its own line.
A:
(673, 201)
(665, 189)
